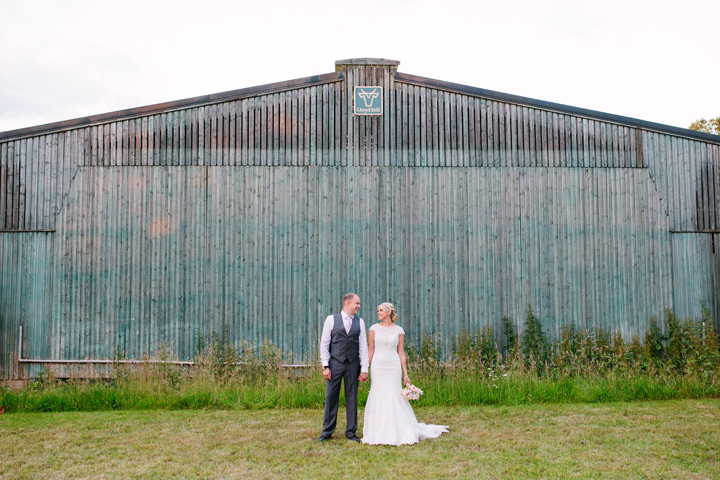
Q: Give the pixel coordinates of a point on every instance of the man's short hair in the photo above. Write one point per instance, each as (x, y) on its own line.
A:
(348, 297)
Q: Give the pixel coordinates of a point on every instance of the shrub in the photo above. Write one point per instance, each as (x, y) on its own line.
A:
(475, 349)
(534, 343)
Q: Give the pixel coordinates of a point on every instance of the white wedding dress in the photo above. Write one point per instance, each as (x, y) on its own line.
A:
(389, 418)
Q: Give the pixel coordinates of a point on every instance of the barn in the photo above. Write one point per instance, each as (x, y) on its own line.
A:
(252, 211)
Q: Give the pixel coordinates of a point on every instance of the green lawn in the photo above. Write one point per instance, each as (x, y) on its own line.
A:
(677, 439)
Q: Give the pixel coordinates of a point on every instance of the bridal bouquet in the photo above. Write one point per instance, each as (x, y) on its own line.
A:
(412, 392)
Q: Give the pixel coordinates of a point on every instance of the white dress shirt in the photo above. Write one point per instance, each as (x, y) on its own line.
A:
(325, 341)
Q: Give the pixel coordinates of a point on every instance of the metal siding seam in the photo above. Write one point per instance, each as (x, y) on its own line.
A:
(410, 127)
(323, 127)
(391, 137)
(29, 174)
(545, 140)
(686, 208)
(171, 139)
(471, 123)
(39, 220)
(320, 132)
(4, 185)
(691, 181)
(715, 199)
(531, 157)
(615, 142)
(511, 135)
(180, 122)
(229, 142)
(483, 139)
(140, 146)
(571, 141)
(279, 146)
(52, 198)
(433, 161)
(452, 128)
(675, 159)
(554, 142)
(427, 135)
(18, 192)
(43, 221)
(218, 136)
(129, 146)
(403, 127)
(713, 179)
(294, 120)
(586, 139)
(352, 133)
(418, 127)
(242, 137)
(249, 113)
(491, 134)
(299, 128)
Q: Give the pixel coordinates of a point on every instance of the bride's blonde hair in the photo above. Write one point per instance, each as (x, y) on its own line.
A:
(390, 308)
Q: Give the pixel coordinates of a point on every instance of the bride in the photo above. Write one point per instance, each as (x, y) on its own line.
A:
(389, 418)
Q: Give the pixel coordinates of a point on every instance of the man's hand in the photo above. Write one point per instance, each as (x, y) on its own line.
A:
(327, 375)
(363, 377)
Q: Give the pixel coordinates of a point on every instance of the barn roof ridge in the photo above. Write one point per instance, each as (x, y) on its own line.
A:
(338, 76)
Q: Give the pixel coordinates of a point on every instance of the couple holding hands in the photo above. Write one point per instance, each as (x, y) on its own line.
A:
(346, 353)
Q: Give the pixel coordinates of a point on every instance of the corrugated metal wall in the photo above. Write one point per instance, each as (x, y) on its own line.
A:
(259, 212)
(34, 175)
(687, 173)
(25, 295)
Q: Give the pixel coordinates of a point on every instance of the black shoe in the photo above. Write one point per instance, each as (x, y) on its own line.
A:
(323, 439)
(354, 439)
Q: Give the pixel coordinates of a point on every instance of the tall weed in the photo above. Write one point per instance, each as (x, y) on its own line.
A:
(679, 359)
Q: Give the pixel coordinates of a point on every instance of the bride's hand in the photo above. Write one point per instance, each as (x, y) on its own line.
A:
(407, 381)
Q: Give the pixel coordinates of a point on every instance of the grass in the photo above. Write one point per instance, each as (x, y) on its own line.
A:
(653, 440)
(279, 390)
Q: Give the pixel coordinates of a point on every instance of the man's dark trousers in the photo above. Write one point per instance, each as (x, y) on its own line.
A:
(344, 366)
(346, 372)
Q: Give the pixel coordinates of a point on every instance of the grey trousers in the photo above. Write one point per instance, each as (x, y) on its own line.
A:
(347, 373)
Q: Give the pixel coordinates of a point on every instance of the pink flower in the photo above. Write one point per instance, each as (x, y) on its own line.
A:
(412, 392)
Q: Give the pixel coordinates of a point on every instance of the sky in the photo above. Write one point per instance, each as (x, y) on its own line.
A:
(650, 60)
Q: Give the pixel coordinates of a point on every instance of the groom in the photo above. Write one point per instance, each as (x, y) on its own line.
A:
(344, 357)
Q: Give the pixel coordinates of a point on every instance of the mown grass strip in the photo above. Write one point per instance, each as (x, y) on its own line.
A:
(650, 440)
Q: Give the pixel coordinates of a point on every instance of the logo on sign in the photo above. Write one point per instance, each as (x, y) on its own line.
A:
(368, 101)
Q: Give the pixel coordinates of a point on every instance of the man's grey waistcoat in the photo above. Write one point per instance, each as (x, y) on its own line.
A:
(345, 346)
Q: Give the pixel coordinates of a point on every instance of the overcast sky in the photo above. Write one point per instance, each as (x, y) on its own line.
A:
(652, 60)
